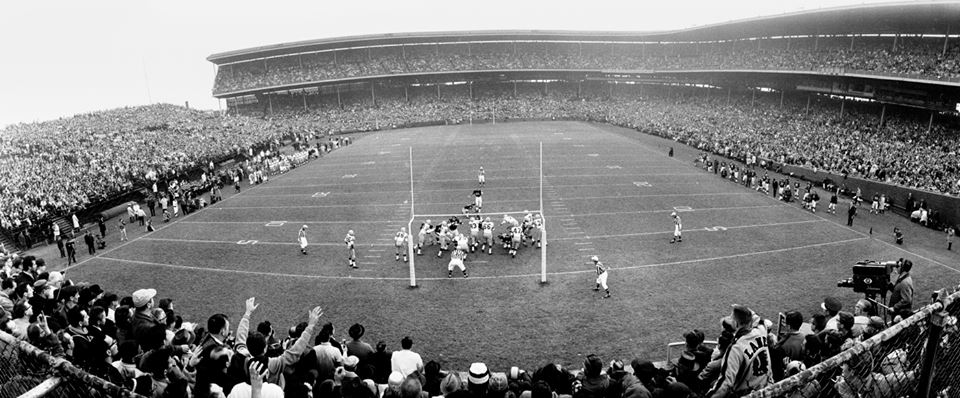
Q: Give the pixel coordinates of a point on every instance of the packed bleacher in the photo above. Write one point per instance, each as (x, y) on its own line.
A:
(61, 166)
(912, 57)
(137, 340)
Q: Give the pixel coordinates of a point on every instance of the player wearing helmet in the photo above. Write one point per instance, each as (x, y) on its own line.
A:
(601, 276)
(474, 233)
(480, 177)
(425, 230)
(302, 239)
(677, 228)
(351, 240)
(400, 240)
(487, 226)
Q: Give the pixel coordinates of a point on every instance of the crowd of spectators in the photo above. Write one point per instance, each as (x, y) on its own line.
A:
(59, 167)
(923, 58)
(137, 340)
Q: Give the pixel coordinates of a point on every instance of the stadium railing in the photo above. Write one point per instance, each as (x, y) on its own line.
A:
(27, 371)
(918, 357)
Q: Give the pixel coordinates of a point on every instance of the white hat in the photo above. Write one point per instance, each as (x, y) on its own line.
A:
(594, 258)
(143, 296)
(478, 373)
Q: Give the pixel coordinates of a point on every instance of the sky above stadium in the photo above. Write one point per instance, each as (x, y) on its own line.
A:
(61, 58)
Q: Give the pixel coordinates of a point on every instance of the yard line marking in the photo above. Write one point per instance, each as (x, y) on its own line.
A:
(289, 222)
(310, 207)
(478, 277)
(377, 250)
(258, 242)
(506, 178)
(583, 243)
(465, 181)
(585, 250)
(697, 229)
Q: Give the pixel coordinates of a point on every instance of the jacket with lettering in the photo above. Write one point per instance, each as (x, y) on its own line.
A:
(746, 365)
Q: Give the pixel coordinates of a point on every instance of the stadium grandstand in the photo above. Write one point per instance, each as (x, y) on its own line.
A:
(860, 102)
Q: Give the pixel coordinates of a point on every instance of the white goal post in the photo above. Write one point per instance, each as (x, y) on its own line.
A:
(411, 235)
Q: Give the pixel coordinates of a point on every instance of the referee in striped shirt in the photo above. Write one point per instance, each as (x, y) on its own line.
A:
(601, 276)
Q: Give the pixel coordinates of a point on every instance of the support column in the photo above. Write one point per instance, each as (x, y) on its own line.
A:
(438, 90)
(930, 123)
(270, 102)
(894, 48)
(851, 42)
(514, 88)
(728, 95)
(339, 102)
(471, 90)
(304, 96)
(946, 38)
(807, 109)
(406, 93)
(816, 42)
(781, 98)
(843, 104)
(373, 94)
(753, 97)
(579, 88)
(883, 115)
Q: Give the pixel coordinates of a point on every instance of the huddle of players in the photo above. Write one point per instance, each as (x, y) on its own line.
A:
(481, 235)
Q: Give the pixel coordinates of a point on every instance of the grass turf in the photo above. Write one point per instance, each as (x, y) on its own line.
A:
(608, 192)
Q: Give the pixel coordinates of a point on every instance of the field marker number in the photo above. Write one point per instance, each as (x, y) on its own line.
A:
(321, 194)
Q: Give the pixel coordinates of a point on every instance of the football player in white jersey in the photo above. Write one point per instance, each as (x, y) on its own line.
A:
(474, 233)
(677, 228)
(511, 223)
(480, 177)
(487, 227)
(516, 238)
(351, 241)
(601, 276)
(527, 226)
(536, 233)
(443, 237)
(425, 231)
(456, 260)
(400, 240)
(302, 239)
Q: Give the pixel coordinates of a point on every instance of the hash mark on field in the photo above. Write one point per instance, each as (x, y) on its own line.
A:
(378, 250)
(583, 243)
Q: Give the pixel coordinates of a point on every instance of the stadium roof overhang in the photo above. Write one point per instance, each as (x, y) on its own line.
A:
(936, 95)
(912, 18)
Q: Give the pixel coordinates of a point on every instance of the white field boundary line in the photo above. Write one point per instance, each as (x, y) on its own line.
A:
(499, 201)
(932, 261)
(691, 230)
(562, 220)
(406, 278)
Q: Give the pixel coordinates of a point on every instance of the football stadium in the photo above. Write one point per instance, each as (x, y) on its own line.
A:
(764, 207)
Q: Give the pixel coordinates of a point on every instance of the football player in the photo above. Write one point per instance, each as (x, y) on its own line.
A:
(351, 241)
(474, 233)
(677, 228)
(425, 230)
(480, 177)
(537, 230)
(456, 260)
(516, 238)
(443, 237)
(400, 240)
(487, 227)
(478, 199)
(601, 276)
(302, 239)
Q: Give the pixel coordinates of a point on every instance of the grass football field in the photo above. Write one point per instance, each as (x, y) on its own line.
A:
(607, 192)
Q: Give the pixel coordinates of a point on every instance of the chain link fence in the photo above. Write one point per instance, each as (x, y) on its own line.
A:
(25, 369)
(889, 364)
